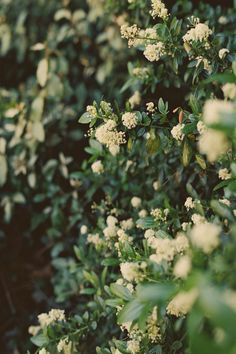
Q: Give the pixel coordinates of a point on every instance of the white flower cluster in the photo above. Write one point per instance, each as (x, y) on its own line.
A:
(136, 202)
(94, 239)
(159, 214)
(223, 52)
(129, 120)
(165, 248)
(111, 230)
(135, 99)
(108, 135)
(65, 346)
(189, 203)
(214, 144)
(97, 167)
(130, 33)
(229, 91)
(133, 346)
(182, 267)
(92, 111)
(177, 132)
(205, 236)
(159, 10)
(182, 303)
(200, 33)
(54, 315)
(153, 330)
(153, 52)
(214, 111)
(133, 271)
(224, 174)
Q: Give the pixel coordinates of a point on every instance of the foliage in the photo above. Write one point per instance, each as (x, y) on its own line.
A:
(151, 208)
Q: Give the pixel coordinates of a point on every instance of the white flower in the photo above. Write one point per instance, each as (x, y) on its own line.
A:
(214, 111)
(143, 213)
(153, 52)
(198, 219)
(97, 167)
(224, 174)
(136, 202)
(214, 144)
(114, 149)
(189, 204)
(201, 127)
(177, 132)
(199, 33)
(129, 120)
(45, 319)
(64, 346)
(133, 346)
(150, 107)
(205, 236)
(182, 303)
(43, 351)
(185, 226)
(108, 135)
(127, 224)
(111, 220)
(223, 52)
(83, 229)
(92, 111)
(129, 271)
(229, 91)
(159, 9)
(135, 99)
(182, 267)
(156, 185)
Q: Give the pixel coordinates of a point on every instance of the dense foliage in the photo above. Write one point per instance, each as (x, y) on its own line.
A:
(134, 224)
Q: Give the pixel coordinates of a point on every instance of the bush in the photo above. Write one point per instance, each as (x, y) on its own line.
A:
(150, 205)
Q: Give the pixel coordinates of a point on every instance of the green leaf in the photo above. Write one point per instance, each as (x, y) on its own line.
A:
(42, 72)
(146, 223)
(131, 311)
(85, 118)
(121, 291)
(3, 170)
(154, 293)
(39, 340)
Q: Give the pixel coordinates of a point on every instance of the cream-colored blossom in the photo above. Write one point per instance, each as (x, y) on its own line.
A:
(182, 267)
(129, 120)
(153, 52)
(199, 33)
(224, 174)
(177, 132)
(136, 202)
(97, 167)
(189, 203)
(214, 111)
(108, 135)
(205, 236)
(150, 107)
(223, 52)
(229, 91)
(182, 303)
(159, 9)
(135, 99)
(214, 144)
(133, 346)
(198, 219)
(201, 127)
(64, 346)
(83, 229)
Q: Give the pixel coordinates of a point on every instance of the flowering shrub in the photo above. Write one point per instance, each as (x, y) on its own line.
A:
(155, 197)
